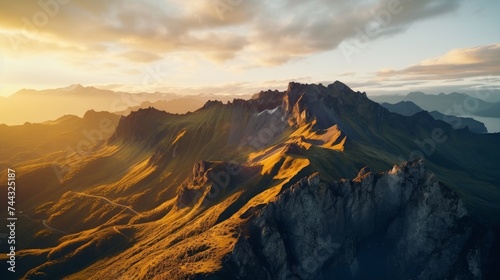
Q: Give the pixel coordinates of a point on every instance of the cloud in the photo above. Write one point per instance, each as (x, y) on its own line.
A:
(138, 29)
(284, 82)
(347, 74)
(294, 29)
(261, 32)
(140, 56)
(456, 64)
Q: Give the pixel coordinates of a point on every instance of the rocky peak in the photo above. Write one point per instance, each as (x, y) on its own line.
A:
(212, 103)
(340, 89)
(139, 126)
(326, 105)
(103, 119)
(266, 100)
(303, 103)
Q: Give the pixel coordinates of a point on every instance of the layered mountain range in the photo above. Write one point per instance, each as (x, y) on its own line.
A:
(35, 106)
(408, 108)
(314, 182)
(483, 102)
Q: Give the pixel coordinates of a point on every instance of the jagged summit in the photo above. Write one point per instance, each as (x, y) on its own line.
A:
(304, 103)
(336, 88)
(313, 109)
(212, 103)
(323, 115)
(271, 98)
(140, 125)
(326, 105)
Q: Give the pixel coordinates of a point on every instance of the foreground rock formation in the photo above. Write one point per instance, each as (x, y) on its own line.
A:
(400, 224)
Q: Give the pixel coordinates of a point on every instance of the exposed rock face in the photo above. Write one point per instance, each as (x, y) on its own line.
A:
(212, 179)
(137, 126)
(268, 99)
(212, 103)
(400, 224)
(335, 104)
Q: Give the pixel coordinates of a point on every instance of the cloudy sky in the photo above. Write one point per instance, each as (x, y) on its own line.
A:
(237, 46)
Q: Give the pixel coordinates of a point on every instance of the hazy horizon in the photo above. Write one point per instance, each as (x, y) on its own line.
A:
(216, 92)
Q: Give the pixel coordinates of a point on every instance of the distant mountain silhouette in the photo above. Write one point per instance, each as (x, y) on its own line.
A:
(493, 111)
(408, 108)
(29, 105)
(405, 108)
(455, 104)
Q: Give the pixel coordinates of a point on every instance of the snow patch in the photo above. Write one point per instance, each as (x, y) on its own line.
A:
(270, 112)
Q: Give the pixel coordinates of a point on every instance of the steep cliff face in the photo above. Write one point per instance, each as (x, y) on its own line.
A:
(400, 224)
(327, 105)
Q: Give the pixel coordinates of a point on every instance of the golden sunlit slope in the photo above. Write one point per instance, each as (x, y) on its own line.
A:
(166, 196)
(39, 142)
(140, 177)
(36, 152)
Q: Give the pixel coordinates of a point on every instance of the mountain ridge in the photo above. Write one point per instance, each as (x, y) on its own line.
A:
(408, 108)
(29, 105)
(454, 103)
(350, 115)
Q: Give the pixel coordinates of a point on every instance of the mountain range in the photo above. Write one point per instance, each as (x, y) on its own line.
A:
(408, 108)
(314, 182)
(35, 106)
(455, 104)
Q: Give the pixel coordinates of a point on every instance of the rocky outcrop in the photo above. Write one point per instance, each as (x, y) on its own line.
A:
(137, 127)
(210, 181)
(400, 224)
(211, 104)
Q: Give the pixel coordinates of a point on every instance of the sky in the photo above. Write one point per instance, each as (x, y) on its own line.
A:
(242, 47)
